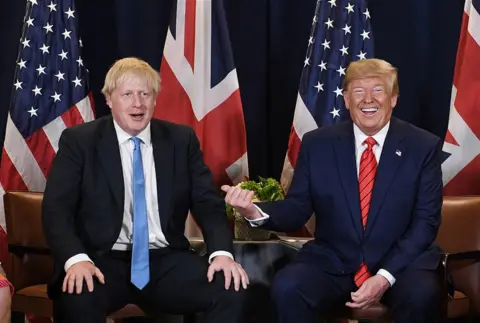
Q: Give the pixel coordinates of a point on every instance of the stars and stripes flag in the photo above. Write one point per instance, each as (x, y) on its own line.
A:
(50, 93)
(200, 88)
(461, 168)
(340, 33)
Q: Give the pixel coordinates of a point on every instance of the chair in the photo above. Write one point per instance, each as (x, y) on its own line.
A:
(459, 238)
(30, 264)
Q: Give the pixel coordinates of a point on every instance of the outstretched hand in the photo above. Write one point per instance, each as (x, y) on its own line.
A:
(241, 200)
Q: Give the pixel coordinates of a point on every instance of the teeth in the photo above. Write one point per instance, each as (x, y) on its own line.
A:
(370, 110)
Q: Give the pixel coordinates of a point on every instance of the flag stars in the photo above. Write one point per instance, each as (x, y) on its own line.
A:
(41, 70)
(367, 14)
(66, 34)
(30, 22)
(63, 55)
(365, 35)
(326, 44)
(322, 65)
(310, 40)
(52, 6)
(26, 43)
(319, 87)
(333, 3)
(349, 8)
(347, 29)
(77, 81)
(37, 90)
(56, 97)
(80, 42)
(335, 113)
(70, 13)
(344, 50)
(33, 112)
(362, 55)
(338, 91)
(34, 2)
(341, 71)
(329, 23)
(48, 28)
(80, 62)
(44, 49)
(22, 64)
(18, 85)
(59, 76)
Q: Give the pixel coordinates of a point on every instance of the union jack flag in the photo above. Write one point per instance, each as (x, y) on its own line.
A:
(50, 93)
(461, 168)
(200, 87)
(340, 33)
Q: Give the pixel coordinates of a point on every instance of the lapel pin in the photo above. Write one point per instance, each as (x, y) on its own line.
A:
(398, 152)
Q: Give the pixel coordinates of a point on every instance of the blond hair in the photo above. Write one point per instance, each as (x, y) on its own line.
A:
(127, 67)
(372, 67)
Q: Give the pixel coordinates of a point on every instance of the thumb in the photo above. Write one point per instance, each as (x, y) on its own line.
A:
(225, 188)
(99, 275)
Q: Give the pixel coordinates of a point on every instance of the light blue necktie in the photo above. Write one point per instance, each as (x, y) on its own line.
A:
(140, 271)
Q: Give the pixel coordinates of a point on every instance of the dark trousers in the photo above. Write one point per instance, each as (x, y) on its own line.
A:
(302, 290)
(178, 285)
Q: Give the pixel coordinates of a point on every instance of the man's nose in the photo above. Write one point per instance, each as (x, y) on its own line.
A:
(137, 100)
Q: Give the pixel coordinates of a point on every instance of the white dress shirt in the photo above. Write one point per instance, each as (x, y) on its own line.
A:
(359, 149)
(156, 236)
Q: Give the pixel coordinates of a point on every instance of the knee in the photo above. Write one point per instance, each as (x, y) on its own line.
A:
(284, 288)
(5, 301)
(76, 304)
(423, 297)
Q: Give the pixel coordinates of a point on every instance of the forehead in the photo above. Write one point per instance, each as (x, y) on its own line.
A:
(368, 82)
(131, 81)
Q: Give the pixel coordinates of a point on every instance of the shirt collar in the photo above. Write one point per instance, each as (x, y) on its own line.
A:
(144, 135)
(379, 136)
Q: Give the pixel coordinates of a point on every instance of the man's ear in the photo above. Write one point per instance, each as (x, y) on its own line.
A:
(108, 100)
(346, 99)
(394, 100)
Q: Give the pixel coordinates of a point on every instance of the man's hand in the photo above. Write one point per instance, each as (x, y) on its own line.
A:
(370, 292)
(77, 273)
(230, 269)
(241, 200)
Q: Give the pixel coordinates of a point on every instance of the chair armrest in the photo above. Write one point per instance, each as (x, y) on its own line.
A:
(464, 255)
(16, 249)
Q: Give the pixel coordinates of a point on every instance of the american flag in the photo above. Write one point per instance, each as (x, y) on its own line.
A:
(340, 33)
(461, 168)
(200, 87)
(50, 93)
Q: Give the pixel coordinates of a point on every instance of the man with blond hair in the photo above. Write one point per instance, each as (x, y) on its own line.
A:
(375, 186)
(114, 212)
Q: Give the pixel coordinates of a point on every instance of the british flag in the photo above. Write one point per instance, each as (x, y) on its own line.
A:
(340, 33)
(461, 168)
(50, 93)
(200, 86)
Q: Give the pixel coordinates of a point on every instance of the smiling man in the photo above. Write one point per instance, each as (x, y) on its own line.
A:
(375, 186)
(115, 207)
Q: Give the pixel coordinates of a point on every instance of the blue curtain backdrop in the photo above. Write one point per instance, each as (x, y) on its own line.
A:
(269, 39)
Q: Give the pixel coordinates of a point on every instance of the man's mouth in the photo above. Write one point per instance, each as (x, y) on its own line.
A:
(137, 116)
(369, 111)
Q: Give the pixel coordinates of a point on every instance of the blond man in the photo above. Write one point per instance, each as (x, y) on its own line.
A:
(114, 213)
(375, 186)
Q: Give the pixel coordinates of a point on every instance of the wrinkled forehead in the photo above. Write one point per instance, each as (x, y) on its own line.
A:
(134, 80)
(369, 81)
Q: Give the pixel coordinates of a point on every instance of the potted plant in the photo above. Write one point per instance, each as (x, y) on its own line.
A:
(266, 190)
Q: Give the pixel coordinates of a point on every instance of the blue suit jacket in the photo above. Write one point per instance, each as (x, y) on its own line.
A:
(405, 211)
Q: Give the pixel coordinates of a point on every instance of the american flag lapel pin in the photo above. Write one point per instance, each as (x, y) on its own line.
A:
(398, 152)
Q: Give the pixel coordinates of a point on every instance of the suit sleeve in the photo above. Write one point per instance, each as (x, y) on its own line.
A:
(292, 213)
(426, 218)
(60, 200)
(208, 207)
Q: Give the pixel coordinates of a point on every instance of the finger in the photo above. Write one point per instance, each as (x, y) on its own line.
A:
(99, 275)
(228, 278)
(243, 195)
(65, 282)
(210, 272)
(244, 276)
(249, 197)
(352, 305)
(237, 278)
(225, 188)
(79, 283)
(235, 196)
(89, 281)
(71, 284)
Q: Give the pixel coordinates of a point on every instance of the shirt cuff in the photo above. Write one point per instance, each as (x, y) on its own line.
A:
(387, 275)
(219, 253)
(258, 222)
(76, 259)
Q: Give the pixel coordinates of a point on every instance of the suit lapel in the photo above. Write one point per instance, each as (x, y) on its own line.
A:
(163, 155)
(345, 153)
(111, 163)
(392, 155)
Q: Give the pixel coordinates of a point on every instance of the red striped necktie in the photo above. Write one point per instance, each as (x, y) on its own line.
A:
(366, 179)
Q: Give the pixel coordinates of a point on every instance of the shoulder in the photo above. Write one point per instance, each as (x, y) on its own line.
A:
(416, 137)
(172, 131)
(328, 134)
(87, 132)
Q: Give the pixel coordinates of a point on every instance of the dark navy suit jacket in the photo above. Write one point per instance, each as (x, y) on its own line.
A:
(405, 211)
